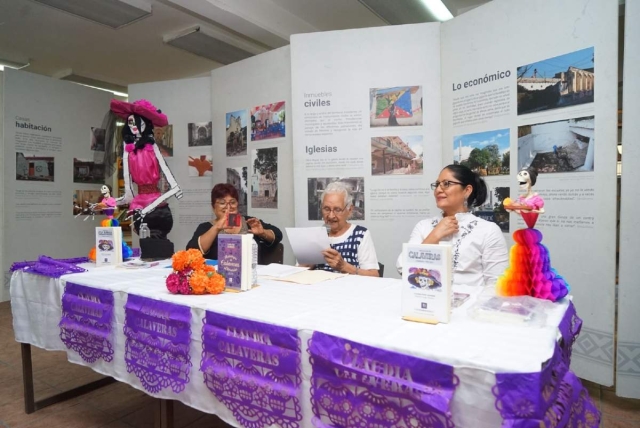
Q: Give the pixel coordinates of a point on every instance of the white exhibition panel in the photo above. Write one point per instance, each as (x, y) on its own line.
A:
(238, 90)
(49, 122)
(4, 295)
(341, 83)
(580, 205)
(628, 351)
(185, 102)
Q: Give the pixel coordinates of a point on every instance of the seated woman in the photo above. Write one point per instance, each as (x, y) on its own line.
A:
(352, 249)
(479, 250)
(224, 200)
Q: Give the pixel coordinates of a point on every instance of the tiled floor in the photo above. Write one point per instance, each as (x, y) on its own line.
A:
(121, 406)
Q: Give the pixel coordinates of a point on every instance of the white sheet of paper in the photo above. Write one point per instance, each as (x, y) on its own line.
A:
(275, 270)
(312, 277)
(308, 243)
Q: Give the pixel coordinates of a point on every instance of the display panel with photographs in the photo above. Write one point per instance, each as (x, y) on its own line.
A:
(236, 133)
(397, 106)
(562, 81)
(268, 121)
(558, 146)
(199, 134)
(200, 165)
(164, 140)
(487, 153)
(315, 190)
(264, 178)
(237, 177)
(397, 155)
(32, 167)
(492, 210)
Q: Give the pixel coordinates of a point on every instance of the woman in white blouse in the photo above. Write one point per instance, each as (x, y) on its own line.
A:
(479, 249)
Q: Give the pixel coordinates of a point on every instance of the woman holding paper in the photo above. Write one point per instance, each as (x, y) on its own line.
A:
(224, 201)
(479, 249)
(352, 249)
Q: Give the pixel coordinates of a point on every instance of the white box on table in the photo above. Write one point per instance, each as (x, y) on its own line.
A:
(108, 246)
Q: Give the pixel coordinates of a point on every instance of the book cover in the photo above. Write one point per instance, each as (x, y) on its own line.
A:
(237, 261)
(108, 246)
(426, 278)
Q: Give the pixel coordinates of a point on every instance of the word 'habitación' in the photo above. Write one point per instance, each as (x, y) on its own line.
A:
(318, 102)
(25, 125)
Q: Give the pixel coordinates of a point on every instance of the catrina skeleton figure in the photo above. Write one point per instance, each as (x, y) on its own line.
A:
(142, 164)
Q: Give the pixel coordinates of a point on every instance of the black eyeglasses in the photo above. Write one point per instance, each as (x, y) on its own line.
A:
(444, 184)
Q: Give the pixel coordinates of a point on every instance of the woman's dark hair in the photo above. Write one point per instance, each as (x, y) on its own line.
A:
(222, 190)
(469, 178)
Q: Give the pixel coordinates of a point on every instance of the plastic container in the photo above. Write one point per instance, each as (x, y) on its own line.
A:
(144, 231)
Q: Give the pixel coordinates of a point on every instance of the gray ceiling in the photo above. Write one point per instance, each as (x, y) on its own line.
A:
(57, 43)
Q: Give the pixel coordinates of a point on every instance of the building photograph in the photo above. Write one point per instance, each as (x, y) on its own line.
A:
(396, 155)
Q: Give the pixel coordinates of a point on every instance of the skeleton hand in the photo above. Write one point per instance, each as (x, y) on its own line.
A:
(135, 215)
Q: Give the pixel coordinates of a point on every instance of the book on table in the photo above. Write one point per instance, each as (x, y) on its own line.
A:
(426, 283)
(238, 261)
(108, 246)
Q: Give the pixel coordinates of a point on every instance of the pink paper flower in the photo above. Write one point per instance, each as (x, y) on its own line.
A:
(173, 283)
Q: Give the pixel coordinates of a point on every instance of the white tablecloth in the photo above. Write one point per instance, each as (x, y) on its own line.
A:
(361, 309)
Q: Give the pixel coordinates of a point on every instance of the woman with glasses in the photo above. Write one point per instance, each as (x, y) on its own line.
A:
(352, 249)
(479, 249)
(224, 200)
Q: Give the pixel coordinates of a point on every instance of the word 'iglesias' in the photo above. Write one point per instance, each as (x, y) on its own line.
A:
(321, 149)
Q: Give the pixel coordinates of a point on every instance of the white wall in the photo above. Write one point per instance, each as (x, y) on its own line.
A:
(39, 215)
(6, 274)
(502, 36)
(183, 101)
(260, 80)
(628, 366)
(345, 70)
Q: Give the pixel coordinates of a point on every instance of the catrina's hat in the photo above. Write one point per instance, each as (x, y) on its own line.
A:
(142, 108)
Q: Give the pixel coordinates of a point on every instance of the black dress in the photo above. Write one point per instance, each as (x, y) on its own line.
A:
(212, 254)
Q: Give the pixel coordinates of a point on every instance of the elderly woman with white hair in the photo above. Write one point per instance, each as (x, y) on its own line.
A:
(352, 249)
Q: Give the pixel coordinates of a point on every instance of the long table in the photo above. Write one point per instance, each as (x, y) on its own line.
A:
(343, 355)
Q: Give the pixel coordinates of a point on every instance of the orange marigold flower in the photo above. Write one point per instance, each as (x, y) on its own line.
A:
(180, 261)
(196, 261)
(216, 283)
(198, 282)
(92, 254)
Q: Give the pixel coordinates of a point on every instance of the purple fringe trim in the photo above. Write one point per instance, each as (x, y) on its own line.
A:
(553, 397)
(53, 268)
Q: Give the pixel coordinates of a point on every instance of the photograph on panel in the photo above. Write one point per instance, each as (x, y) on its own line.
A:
(32, 167)
(397, 106)
(200, 165)
(561, 81)
(396, 155)
(97, 139)
(315, 189)
(164, 139)
(237, 177)
(264, 178)
(199, 134)
(82, 199)
(236, 134)
(492, 210)
(486, 153)
(268, 121)
(559, 146)
(87, 171)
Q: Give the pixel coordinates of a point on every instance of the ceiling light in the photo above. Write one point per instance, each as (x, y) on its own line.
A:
(13, 64)
(214, 44)
(438, 10)
(112, 13)
(70, 76)
(408, 11)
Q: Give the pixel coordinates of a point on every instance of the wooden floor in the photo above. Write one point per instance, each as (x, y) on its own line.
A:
(121, 406)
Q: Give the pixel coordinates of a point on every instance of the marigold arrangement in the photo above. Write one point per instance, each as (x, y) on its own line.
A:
(191, 275)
